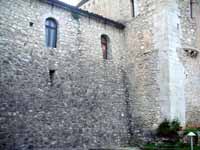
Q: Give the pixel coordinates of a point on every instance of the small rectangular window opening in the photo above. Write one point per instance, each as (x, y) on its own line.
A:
(51, 76)
(104, 46)
(133, 8)
(191, 8)
(30, 24)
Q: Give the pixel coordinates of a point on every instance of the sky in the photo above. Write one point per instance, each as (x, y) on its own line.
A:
(71, 2)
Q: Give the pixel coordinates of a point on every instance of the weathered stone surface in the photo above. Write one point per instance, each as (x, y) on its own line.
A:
(190, 28)
(94, 102)
(85, 107)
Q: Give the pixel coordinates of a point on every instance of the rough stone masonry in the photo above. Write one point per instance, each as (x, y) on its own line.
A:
(70, 98)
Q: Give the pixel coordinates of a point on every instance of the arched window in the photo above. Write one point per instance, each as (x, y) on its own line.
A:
(51, 32)
(105, 46)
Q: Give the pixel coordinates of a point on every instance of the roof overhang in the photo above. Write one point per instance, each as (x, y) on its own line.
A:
(84, 13)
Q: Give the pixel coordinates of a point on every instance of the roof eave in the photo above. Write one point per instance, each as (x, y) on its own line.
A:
(81, 12)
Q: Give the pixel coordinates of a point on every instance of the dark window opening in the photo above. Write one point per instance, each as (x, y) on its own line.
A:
(30, 24)
(51, 33)
(191, 8)
(133, 8)
(51, 76)
(104, 46)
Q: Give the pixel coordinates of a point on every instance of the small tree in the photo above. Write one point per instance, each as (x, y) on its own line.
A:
(169, 130)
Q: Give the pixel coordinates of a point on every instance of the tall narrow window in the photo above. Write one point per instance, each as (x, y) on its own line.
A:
(51, 32)
(133, 7)
(191, 8)
(193, 5)
(51, 76)
(105, 47)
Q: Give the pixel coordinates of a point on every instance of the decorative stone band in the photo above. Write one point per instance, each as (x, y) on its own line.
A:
(192, 52)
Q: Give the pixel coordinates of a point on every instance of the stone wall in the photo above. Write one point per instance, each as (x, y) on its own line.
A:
(190, 30)
(140, 59)
(154, 70)
(118, 10)
(170, 69)
(86, 105)
(142, 66)
(93, 102)
(164, 77)
(157, 76)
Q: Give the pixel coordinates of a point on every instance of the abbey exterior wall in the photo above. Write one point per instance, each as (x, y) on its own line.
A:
(142, 59)
(95, 102)
(148, 62)
(164, 79)
(190, 39)
(151, 40)
(85, 107)
(148, 48)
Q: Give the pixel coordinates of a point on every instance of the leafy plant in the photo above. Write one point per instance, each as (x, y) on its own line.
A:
(175, 126)
(164, 129)
(169, 130)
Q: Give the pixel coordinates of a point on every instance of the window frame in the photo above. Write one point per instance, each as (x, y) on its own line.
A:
(51, 29)
(105, 41)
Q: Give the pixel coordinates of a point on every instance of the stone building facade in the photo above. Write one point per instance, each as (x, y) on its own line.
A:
(73, 97)
(189, 57)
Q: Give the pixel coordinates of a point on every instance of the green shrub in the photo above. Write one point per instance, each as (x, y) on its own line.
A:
(164, 129)
(175, 126)
(169, 130)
